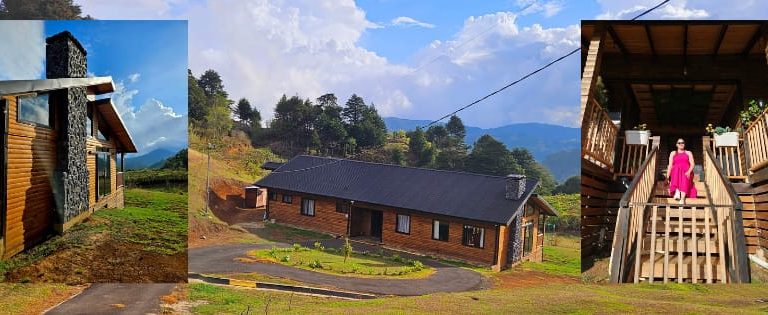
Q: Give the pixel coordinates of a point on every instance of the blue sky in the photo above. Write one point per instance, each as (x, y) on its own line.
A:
(413, 59)
(147, 61)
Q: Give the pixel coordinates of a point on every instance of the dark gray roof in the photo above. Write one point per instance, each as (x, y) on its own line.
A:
(271, 166)
(457, 194)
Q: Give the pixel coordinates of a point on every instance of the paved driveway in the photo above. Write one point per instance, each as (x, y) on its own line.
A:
(221, 259)
(135, 298)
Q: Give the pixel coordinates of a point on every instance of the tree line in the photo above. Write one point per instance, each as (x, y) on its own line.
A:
(354, 129)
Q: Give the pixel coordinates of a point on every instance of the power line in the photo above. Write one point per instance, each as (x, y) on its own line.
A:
(530, 73)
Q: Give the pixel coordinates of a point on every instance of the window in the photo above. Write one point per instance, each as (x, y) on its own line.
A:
(89, 122)
(34, 109)
(287, 199)
(342, 206)
(440, 230)
(272, 195)
(528, 210)
(103, 173)
(527, 238)
(473, 236)
(542, 219)
(403, 224)
(308, 207)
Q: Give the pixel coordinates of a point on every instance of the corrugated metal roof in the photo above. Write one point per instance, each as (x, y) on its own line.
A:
(457, 194)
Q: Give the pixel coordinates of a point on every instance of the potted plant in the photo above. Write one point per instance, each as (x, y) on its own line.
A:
(752, 110)
(724, 136)
(638, 135)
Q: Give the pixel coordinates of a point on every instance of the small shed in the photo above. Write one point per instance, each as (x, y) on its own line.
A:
(255, 197)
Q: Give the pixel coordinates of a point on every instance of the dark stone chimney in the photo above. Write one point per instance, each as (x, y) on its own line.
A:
(515, 186)
(65, 58)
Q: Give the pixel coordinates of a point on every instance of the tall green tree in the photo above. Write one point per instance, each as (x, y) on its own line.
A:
(489, 156)
(354, 110)
(572, 185)
(455, 127)
(533, 169)
(438, 135)
(196, 99)
(371, 131)
(219, 120)
(243, 111)
(211, 83)
(41, 10)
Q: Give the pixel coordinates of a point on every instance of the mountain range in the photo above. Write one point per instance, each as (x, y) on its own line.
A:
(151, 159)
(555, 147)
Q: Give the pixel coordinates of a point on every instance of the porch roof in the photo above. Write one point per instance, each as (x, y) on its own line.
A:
(456, 194)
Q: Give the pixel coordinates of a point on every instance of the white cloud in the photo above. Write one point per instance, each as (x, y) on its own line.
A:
(152, 125)
(629, 9)
(409, 21)
(23, 56)
(134, 77)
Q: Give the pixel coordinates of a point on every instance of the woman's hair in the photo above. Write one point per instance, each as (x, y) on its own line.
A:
(679, 139)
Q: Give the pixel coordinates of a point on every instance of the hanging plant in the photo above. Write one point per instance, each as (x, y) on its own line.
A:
(752, 110)
(601, 93)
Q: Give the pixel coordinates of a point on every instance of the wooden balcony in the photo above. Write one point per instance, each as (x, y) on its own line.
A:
(756, 143)
(598, 136)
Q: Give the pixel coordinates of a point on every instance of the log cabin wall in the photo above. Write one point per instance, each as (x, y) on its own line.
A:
(532, 215)
(600, 196)
(328, 220)
(756, 221)
(30, 206)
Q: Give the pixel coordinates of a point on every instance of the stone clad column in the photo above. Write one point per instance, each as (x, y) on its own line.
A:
(66, 58)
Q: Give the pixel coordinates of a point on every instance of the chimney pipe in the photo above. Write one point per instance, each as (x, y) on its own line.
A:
(64, 57)
(515, 187)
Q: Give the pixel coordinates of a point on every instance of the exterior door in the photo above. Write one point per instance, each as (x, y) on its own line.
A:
(377, 219)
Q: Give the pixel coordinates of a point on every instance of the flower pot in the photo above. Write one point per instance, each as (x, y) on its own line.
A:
(728, 139)
(637, 137)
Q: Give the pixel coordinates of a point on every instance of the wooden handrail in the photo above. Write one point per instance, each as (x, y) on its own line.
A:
(722, 192)
(628, 220)
(756, 139)
(598, 136)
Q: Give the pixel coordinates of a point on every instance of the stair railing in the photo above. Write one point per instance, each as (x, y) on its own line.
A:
(629, 221)
(756, 143)
(632, 156)
(598, 136)
(727, 208)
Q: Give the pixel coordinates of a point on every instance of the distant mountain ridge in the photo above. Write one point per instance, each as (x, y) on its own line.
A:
(152, 159)
(556, 147)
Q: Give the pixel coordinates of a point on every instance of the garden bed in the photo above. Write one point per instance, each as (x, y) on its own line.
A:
(332, 261)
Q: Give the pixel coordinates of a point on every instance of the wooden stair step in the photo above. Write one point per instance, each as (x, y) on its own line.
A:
(688, 227)
(685, 212)
(688, 268)
(674, 245)
(688, 201)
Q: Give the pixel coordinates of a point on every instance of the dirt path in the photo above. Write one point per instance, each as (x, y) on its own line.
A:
(221, 259)
(117, 298)
(227, 201)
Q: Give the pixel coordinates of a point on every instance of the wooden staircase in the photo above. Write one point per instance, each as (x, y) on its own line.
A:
(659, 240)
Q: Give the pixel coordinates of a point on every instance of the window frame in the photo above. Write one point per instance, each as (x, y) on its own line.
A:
(343, 204)
(447, 234)
(272, 196)
(100, 152)
(465, 239)
(303, 203)
(397, 223)
(528, 241)
(289, 199)
(34, 123)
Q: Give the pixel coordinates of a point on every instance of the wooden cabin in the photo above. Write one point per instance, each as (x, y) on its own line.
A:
(676, 77)
(60, 147)
(488, 220)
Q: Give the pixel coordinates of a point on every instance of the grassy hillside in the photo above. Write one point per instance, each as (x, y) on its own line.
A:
(568, 210)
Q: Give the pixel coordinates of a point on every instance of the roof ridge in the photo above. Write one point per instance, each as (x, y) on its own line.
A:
(407, 167)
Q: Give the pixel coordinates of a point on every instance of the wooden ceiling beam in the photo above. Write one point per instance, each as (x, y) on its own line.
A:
(752, 41)
(650, 39)
(617, 40)
(723, 30)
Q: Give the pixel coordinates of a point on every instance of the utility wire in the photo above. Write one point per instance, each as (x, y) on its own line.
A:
(530, 73)
(337, 160)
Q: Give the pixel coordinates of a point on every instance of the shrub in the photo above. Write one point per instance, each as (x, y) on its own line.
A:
(319, 246)
(296, 247)
(315, 264)
(417, 265)
(286, 258)
(346, 250)
(273, 252)
(396, 258)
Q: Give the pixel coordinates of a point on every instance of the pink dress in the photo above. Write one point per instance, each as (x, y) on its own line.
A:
(677, 178)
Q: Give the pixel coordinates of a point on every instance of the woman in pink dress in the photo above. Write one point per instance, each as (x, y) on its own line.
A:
(680, 173)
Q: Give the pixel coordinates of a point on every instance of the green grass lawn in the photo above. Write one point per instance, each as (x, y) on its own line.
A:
(357, 265)
(155, 219)
(33, 298)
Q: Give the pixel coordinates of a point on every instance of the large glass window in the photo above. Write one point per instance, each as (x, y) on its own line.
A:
(440, 230)
(342, 206)
(528, 238)
(308, 207)
(103, 173)
(403, 224)
(473, 236)
(34, 109)
(287, 198)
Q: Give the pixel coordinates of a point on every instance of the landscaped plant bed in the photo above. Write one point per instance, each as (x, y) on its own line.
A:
(331, 260)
